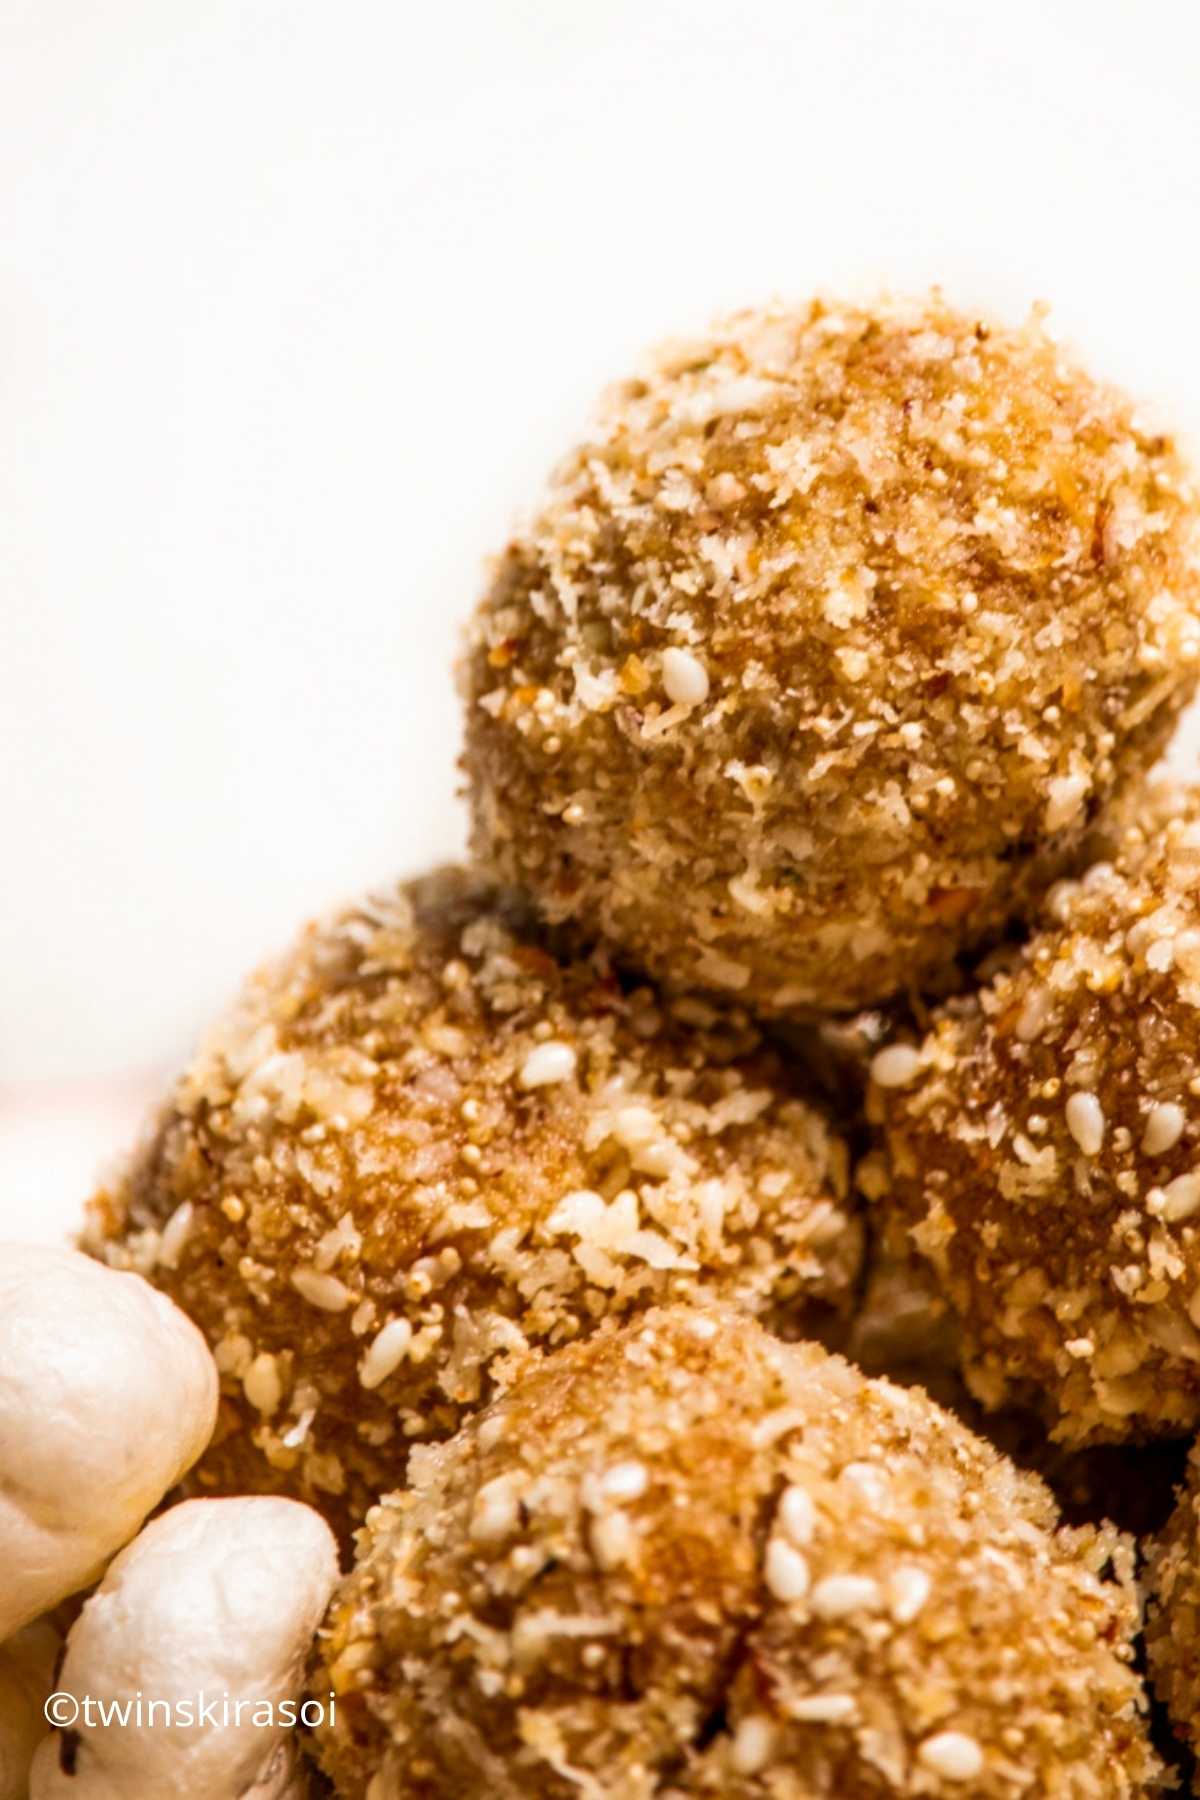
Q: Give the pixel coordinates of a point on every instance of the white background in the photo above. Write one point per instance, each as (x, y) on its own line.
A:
(298, 300)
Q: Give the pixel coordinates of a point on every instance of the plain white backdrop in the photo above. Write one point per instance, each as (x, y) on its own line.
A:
(297, 302)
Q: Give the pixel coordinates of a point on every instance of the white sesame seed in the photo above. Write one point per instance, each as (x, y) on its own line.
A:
(176, 1232)
(495, 1514)
(1085, 1122)
(786, 1571)
(896, 1066)
(546, 1064)
(797, 1516)
(952, 1755)
(343, 1239)
(386, 1353)
(295, 1435)
(659, 1158)
(869, 1480)
(491, 1430)
(1065, 796)
(822, 1709)
(908, 1590)
(1181, 1197)
(613, 1539)
(837, 1596)
(1164, 1128)
(1034, 1014)
(752, 1744)
(325, 1291)
(724, 490)
(634, 1126)
(684, 677)
(261, 1384)
(624, 1481)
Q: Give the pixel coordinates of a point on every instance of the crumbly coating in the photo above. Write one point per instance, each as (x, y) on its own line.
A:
(1172, 1582)
(422, 1144)
(826, 648)
(1044, 1148)
(688, 1559)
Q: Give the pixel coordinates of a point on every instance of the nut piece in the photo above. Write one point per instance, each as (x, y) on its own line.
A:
(434, 1138)
(107, 1395)
(595, 1587)
(827, 648)
(215, 1596)
(26, 1672)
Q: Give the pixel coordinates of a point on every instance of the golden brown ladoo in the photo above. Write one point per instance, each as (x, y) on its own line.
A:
(1044, 1148)
(687, 1559)
(826, 647)
(1172, 1581)
(421, 1144)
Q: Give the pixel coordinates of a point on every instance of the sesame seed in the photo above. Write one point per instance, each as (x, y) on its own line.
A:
(908, 1590)
(261, 1384)
(837, 1596)
(1066, 795)
(1181, 1197)
(797, 1516)
(386, 1353)
(325, 1291)
(659, 1158)
(684, 677)
(896, 1066)
(624, 1481)
(786, 1571)
(546, 1064)
(1164, 1128)
(495, 1514)
(724, 490)
(613, 1539)
(175, 1234)
(822, 1709)
(341, 1240)
(635, 1126)
(952, 1755)
(752, 1745)
(1034, 1015)
(1085, 1122)
(869, 1479)
(295, 1435)
(491, 1430)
